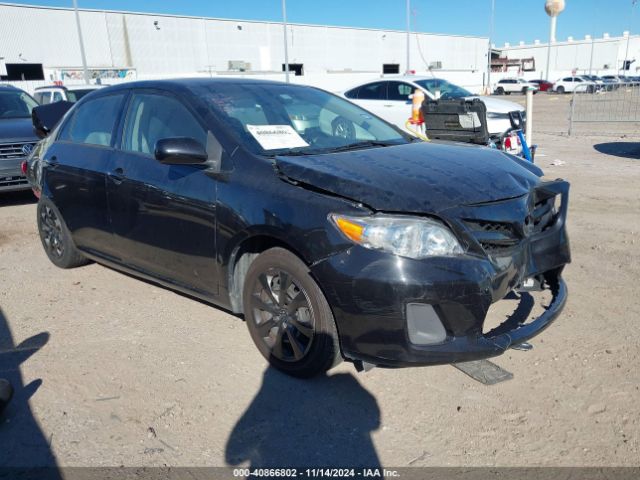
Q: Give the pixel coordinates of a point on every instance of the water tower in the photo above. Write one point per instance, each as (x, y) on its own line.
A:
(553, 9)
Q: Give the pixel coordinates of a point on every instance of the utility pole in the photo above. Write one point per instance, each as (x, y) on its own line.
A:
(286, 46)
(626, 53)
(408, 36)
(491, 25)
(84, 57)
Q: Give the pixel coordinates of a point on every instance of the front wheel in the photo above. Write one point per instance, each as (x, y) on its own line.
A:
(56, 238)
(560, 90)
(500, 91)
(288, 316)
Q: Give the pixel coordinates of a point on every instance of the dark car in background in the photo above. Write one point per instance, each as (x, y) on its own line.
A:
(543, 85)
(361, 243)
(17, 139)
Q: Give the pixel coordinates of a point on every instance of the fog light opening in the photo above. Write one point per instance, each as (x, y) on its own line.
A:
(424, 325)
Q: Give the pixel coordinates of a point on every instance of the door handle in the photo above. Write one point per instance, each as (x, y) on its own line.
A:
(117, 175)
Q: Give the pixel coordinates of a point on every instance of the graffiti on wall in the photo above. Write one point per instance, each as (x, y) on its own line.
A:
(99, 73)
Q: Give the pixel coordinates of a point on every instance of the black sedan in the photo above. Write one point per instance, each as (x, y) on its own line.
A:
(335, 234)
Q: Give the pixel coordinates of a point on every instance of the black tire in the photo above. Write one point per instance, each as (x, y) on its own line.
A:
(301, 342)
(524, 90)
(500, 91)
(560, 90)
(55, 237)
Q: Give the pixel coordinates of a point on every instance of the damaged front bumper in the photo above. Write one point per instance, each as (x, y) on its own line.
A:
(394, 311)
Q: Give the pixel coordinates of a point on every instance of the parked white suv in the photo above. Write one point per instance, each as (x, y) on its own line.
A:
(59, 93)
(389, 99)
(514, 85)
(570, 84)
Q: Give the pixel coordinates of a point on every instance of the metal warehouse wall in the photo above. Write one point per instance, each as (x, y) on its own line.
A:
(602, 55)
(190, 45)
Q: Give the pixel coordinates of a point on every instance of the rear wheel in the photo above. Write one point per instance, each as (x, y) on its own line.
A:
(560, 89)
(288, 316)
(500, 91)
(56, 238)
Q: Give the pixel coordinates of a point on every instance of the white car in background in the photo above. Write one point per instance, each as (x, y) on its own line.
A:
(570, 84)
(514, 85)
(59, 93)
(388, 98)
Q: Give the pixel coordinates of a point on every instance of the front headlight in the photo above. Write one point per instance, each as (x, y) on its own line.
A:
(411, 237)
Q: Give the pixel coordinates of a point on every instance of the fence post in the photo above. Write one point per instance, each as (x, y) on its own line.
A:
(529, 125)
(573, 108)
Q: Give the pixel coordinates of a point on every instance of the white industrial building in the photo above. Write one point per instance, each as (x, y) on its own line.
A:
(128, 45)
(589, 55)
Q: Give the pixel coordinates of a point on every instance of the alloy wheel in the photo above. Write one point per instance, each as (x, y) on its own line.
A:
(52, 232)
(283, 315)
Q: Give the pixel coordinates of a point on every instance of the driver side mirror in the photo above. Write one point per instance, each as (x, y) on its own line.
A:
(180, 151)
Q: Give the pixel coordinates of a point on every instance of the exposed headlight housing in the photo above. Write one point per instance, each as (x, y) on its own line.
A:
(412, 237)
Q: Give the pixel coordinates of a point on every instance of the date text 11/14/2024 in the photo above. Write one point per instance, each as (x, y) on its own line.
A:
(315, 473)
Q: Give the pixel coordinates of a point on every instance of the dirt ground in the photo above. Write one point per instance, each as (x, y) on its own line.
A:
(114, 371)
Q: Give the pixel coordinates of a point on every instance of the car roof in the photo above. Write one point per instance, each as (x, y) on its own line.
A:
(8, 87)
(408, 78)
(186, 84)
(71, 87)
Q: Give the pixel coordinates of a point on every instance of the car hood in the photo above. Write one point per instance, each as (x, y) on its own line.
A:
(16, 129)
(414, 178)
(498, 105)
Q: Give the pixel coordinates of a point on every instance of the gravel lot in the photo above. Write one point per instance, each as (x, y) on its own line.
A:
(114, 371)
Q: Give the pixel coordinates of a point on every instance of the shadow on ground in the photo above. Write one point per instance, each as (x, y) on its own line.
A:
(620, 149)
(324, 421)
(23, 197)
(22, 442)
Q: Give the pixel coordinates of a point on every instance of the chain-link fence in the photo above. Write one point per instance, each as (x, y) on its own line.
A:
(609, 109)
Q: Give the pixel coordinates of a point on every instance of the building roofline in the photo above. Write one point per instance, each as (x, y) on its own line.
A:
(575, 41)
(270, 22)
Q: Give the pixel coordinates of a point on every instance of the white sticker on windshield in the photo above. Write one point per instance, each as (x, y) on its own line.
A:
(272, 137)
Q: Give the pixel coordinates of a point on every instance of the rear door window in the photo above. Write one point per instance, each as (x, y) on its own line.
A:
(399, 91)
(94, 121)
(43, 98)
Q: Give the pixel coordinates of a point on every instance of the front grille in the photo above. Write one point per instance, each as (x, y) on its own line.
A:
(493, 237)
(12, 181)
(14, 150)
(498, 238)
(544, 215)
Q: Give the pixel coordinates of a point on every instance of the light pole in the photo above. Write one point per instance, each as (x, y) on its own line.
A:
(286, 46)
(84, 57)
(491, 24)
(408, 36)
(626, 53)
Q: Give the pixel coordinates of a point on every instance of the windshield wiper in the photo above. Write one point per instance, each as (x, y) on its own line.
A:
(359, 145)
(295, 153)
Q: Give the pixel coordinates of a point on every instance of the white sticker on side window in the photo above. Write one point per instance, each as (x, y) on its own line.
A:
(272, 137)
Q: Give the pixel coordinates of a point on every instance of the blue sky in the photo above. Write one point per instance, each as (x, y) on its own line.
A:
(515, 20)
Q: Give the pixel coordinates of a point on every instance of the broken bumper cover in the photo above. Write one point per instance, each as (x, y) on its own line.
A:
(371, 294)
